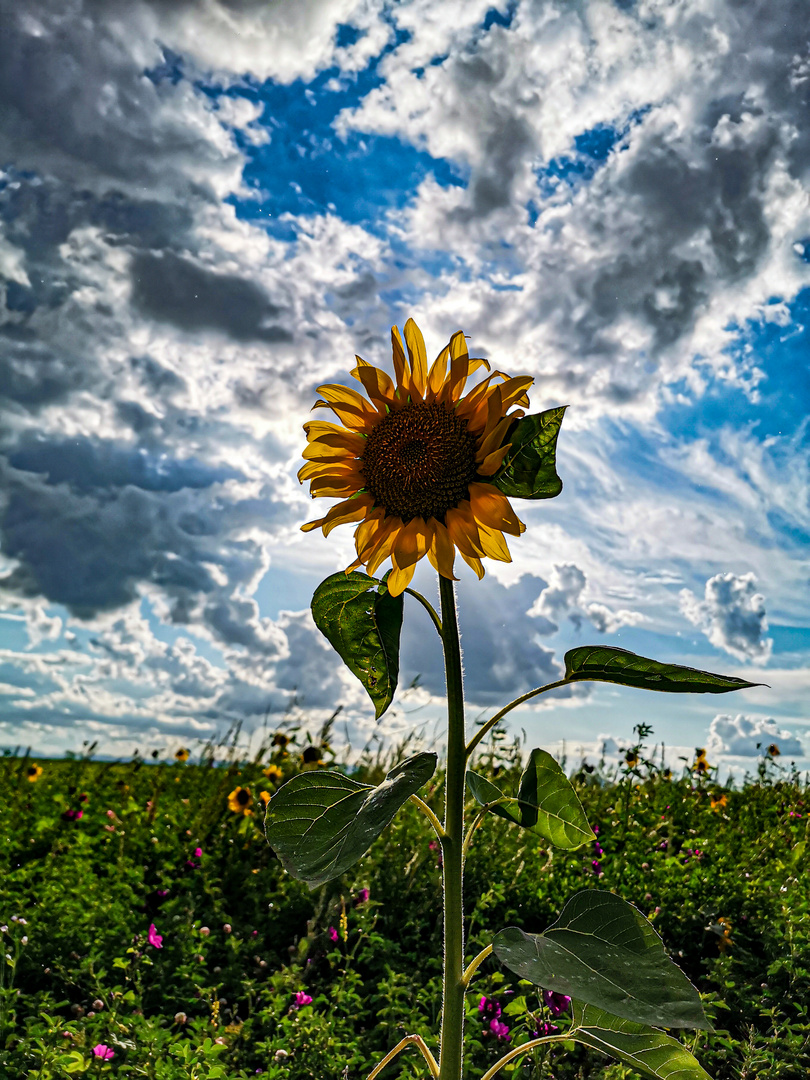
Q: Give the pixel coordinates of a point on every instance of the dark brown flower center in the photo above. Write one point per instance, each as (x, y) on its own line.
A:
(419, 462)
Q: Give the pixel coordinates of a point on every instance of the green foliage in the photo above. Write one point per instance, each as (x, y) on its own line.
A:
(320, 823)
(604, 952)
(88, 888)
(546, 802)
(529, 470)
(363, 623)
(650, 1052)
(602, 663)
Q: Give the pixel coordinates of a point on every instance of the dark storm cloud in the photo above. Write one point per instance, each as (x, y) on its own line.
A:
(177, 290)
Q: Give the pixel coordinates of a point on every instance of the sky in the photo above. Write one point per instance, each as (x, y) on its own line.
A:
(207, 209)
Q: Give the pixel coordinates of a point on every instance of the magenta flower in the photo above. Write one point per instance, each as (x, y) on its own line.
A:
(545, 1029)
(103, 1052)
(155, 938)
(361, 897)
(497, 1027)
(557, 1004)
(333, 934)
(302, 998)
(198, 853)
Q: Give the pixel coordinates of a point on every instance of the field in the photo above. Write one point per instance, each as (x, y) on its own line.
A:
(149, 931)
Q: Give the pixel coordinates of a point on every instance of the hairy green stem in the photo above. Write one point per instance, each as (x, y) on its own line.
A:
(452, 1036)
(409, 1040)
(522, 1049)
(434, 821)
(490, 724)
(476, 964)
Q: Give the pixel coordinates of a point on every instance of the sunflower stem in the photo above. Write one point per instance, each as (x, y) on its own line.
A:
(452, 1035)
(490, 724)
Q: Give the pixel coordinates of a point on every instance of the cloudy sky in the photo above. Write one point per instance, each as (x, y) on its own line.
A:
(206, 209)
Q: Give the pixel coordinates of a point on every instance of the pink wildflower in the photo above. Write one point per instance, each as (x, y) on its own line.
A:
(302, 998)
(155, 938)
(557, 1004)
(333, 934)
(497, 1027)
(103, 1052)
(198, 853)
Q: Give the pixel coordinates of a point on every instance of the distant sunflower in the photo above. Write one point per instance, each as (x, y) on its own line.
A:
(33, 773)
(412, 461)
(182, 755)
(311, 758)
(240, 801)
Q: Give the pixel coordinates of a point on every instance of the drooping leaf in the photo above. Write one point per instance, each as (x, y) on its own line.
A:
(602, 663)
(529, 470)
(650, 1052)
(546, 802)
(604, 952)
(363, 623)
(320, 823)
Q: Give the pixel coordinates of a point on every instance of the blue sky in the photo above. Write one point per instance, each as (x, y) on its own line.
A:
(206, 214)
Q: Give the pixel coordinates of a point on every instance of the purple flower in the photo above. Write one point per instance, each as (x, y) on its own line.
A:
(198, 853)
(557, 1004)
(497, 1027)
(488, 1007)
(545, 1029)
(302, 998)
(333, 934)
(154, 937)
(361, 897)
(104, 1052)
(72, 815)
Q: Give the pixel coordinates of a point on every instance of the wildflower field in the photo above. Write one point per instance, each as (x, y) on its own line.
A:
(149, 931)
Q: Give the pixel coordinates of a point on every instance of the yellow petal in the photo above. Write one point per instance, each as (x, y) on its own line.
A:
(493, 543)
(401, 368)
(334, 487)
(377, 385)
(384, 544)
(441, 552)
(513, 391)
(438, 373)
(316, 429)
(493, 509)
(338, 440)
(368, 532)
(310, 525)
(418, 356)
(492, 462)
(476, 564)
(412, 543)
(399, 580)
(327, 468)
(494, 439)
(351, 417)
(463, 530)
(354, 509)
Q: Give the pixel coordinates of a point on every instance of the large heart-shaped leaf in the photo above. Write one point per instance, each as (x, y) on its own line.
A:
(320, 823)
(529, 470)
(650, 1052)
(603, 663)
(363, 622)
(546, 802)
(603, 952)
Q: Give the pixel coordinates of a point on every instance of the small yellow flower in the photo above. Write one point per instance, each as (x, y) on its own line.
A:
(631, 759)
(412, 462)
(280, 739)
(240, 801)
(666, 774)
(182, 755)
(33, 773)
(265, 796)
(701, 765)
(718, 802)
(273, 774)
(773, 750)
(724, 941)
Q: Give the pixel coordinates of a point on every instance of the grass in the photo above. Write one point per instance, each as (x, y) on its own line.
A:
(253, 974)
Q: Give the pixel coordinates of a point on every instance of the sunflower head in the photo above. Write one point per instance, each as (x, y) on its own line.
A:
(412, 460)
(240, 801)
(182, 755)
(33, 773)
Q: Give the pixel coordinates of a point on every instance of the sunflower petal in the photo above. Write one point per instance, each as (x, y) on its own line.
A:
(368, 531)
(441, 552)
(334, 487)
(354, 509)
(463, 530)
(377, 385)
(351, 418)
(412, 543)
(492, 462)
(401, 368)
(437, 374)
(494, 544)
(326, 468)
(418, 356)
(513, 391)
(383, 545)
(316, 429)
(399, 580)
(494, 439)
(493, 509)
(476, 564)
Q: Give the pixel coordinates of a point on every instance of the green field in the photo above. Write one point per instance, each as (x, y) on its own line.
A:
(251, 973)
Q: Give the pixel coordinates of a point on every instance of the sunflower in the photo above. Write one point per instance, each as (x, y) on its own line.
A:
(412, 462)
(33, 773)
(273, 774)
(182, 755)
(240, 801)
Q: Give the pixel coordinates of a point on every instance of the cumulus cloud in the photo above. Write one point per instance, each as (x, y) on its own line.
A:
(731, 615)
(563, 597)
(749, 736)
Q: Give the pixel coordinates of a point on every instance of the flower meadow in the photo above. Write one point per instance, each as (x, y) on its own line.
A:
(149, 931)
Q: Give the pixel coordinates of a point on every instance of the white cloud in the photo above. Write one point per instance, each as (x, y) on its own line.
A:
(731, 615)
(563, 596)
(750, 736)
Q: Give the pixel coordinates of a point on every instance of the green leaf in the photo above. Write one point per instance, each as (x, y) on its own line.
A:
(603, 663)
(320, 823)
(546, 802)
(604, 952)
(529, 470)
(645, 1049)
(363, 622)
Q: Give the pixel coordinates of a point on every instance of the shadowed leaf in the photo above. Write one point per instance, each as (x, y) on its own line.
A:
(363, 623)
(650, 1052)
(602, 663)
(529, 470)
(604, 952)
(320, 823)
(546, 802)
